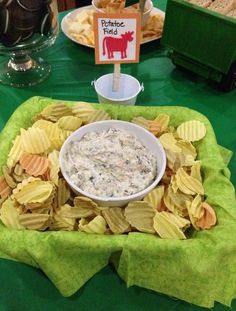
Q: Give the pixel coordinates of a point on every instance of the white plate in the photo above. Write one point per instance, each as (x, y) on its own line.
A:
(72, 15)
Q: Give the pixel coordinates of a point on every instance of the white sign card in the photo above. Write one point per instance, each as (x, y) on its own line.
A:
(117, 37)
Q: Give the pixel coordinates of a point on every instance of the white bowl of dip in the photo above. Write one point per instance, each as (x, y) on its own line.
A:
(147, 148)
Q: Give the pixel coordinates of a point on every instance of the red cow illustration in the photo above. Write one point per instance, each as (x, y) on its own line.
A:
(117, 44)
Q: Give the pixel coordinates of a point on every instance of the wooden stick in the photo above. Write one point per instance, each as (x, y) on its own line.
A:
(116, 77)
(142, 4)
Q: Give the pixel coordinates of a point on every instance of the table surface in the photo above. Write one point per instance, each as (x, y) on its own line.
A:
(73, 69)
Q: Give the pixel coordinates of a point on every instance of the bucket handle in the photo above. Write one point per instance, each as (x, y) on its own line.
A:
(93, 82)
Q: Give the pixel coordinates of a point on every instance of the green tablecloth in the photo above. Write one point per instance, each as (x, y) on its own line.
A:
(26, 288)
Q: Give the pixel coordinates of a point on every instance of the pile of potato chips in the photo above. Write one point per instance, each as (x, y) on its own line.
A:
(35, 196)
(80, 28)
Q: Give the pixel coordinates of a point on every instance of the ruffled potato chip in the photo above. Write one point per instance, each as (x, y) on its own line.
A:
(34, 221)
(86, 207)
(163, 120)
(173, 160)
(84, 202)
(175, 202)
(35, 191)
(60, 110)
(169, 142)
(154, 197)
(10, 181)
(195, 210)
(63, 193)
(141, 121)
(167, 227)
(5, 190)
(170, 204)
(140, 215)
(43, 210)
(166, 178)
(60, 222)
(9, 215)
(97, 225)
(33, 164)
(20, 178)
(56, 111)
(53, 132)
(196, 171)
(24, 183)
(208, 219)
(174, 184)
(56, 143)
(154, 127)
(187, 148)
(187, 184)
(181, 222)
(18, 169)
(46, 175)
(34, 140)
(192, 130)
(74, 212)
(15, 152)
(184, 158)
(177, 158)
(45, 114)
(116, 220)
(64, 134)
(37, 207)
(69, 123)
(54, 166)
(32, 206)
(68, 211)
(45, 205)
(98, 115)
(178, 200)
(83, 110)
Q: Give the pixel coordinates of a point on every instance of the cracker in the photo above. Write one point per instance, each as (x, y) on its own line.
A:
(202, 3)
(223, 6)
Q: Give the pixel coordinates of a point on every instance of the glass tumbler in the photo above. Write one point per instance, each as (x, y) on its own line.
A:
(26, 27)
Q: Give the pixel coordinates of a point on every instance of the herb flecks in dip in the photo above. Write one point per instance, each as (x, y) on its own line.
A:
(111, 163)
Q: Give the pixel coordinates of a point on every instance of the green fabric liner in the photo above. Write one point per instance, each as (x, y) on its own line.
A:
(199, 270)
(226, 154)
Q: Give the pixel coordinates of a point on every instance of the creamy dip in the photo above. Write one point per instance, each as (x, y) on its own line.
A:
(111, 163)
